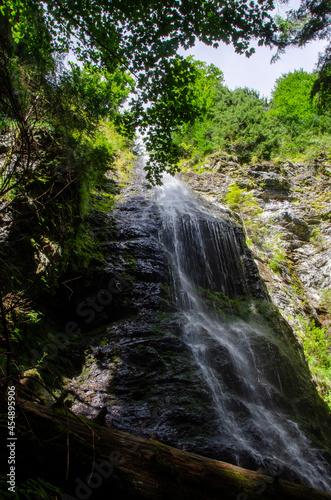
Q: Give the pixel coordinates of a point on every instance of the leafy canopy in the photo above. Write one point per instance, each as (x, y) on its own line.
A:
(310, 21)
(140, 33)
(143, 37)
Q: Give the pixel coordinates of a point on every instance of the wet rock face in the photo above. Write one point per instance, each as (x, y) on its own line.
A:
(296, 204)
(141, 371)
(149, 384)
(137, 365)
(135, 253)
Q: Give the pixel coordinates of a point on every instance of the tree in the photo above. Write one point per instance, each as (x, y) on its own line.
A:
(190, 96)
(306, 126)
(57, 141)
(236, 121)
(291, 96)
(311, 21)
(143, 37)
(322, 86)
(241, 124)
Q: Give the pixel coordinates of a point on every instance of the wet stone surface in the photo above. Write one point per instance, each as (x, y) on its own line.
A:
(138, 366)
(146, 364)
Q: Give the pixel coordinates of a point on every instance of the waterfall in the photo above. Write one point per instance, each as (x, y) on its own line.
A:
(253, 369)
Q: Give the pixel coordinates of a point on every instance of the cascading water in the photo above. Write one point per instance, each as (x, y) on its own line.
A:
(246, 363)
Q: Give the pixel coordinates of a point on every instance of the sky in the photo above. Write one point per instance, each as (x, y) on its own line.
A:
(256, 72)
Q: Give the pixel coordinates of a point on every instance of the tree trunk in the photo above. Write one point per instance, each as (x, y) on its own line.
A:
(89, 461)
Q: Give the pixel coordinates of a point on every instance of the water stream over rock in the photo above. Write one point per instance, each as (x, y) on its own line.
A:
(193, 350)
(249, 367)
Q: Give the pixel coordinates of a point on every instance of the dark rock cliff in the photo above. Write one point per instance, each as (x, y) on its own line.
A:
(134, 361)
(137, 363)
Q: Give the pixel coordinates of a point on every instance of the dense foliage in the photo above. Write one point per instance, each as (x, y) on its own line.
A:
(235, 122)
(143, 37)
(291, 97)
(62, 125)
(310, 21)
(291, 125)
(57, 141)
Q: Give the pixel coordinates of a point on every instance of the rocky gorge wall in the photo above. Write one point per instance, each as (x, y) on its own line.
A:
(134, 363)
(290, 236)
(296, 210)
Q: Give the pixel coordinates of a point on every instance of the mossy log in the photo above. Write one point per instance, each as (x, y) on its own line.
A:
(88, 460)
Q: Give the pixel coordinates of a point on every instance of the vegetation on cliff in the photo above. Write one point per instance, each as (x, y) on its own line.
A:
(284, 208)
(58, 141)
(63, 124)
(291, 126)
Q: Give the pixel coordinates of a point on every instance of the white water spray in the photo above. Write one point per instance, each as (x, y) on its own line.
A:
(247, 366)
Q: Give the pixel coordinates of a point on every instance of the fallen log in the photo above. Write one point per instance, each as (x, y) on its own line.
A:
(87, 460)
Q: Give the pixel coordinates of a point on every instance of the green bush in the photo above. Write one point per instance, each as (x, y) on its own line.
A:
(290, 126)
(240, 200)
(317, 345)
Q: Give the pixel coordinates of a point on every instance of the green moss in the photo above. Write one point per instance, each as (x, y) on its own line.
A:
(162, 463)
(317, 239)
(130, 260)
(221, 304)
(238, 478)
(278, 260)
